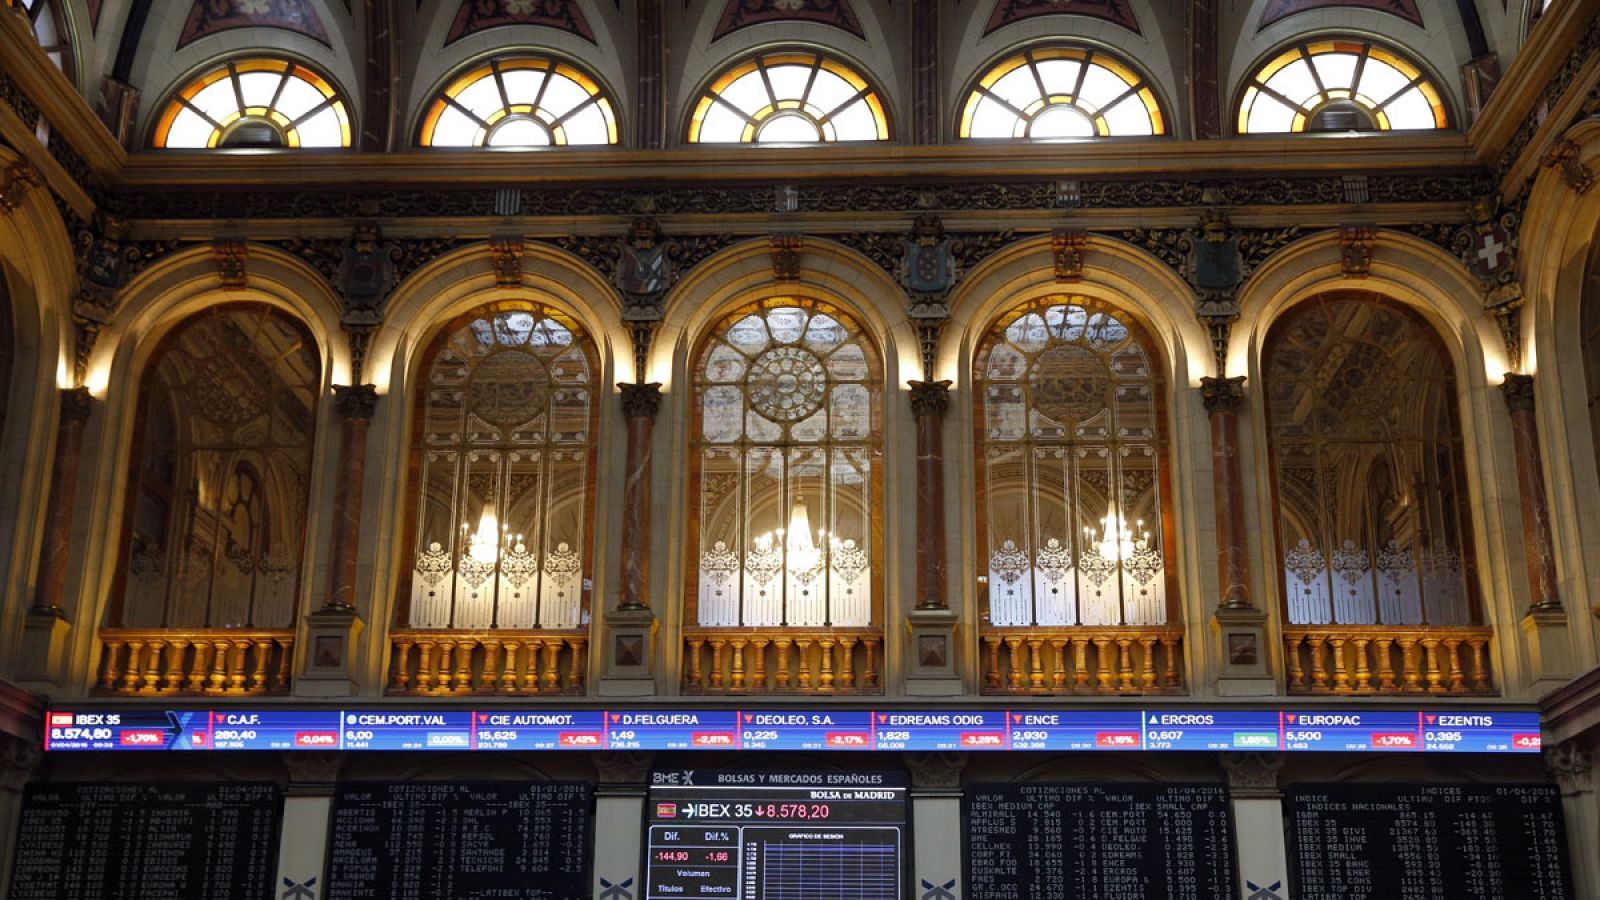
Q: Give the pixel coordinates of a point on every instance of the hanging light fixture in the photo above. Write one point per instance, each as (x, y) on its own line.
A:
(1116, 540)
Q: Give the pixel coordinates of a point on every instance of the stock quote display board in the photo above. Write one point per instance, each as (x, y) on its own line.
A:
(421, 841)
(1150, 841)
(1427, 842)
(147, 842)
(774, 836)
(501, 728)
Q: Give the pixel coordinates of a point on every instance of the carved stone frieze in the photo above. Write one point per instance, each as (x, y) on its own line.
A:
(1067, 252)
(785, 250)
(1355, 250)
(232, 263)
(507, 254)
(936, 770)
(1252, 773)
(1586, 49)
(645, 264)
(15, 182)
(929, 262)
(617, 767)
(1564, 155)
(1572, 763)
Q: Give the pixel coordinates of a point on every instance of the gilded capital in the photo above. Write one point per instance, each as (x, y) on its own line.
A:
(640, 401)
(929, 398)
(1518, 391)
(355, 401)
(1222, 394)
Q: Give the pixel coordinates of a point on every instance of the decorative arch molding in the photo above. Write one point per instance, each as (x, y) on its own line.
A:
(1561, 228)
(1437, 286)
(37, 268)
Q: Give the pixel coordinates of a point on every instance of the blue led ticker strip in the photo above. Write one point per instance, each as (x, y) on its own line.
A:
(506, 728)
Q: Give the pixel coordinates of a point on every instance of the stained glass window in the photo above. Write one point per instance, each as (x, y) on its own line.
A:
(1070, 451)
(1366, 449)
(1061, 92)
(1340, 85)
(259, 103)
(503, 453)
(520, 102)
(221, 470)
(788, 98)
(787, 449)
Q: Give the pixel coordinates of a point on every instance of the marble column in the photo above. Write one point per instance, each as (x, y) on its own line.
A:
(1258, 823)
(1537, 543)
(929, 402)
(936, 825)
(640, 404)
(619, 797)
(1222, 397)
(355, 405)
(54, 548)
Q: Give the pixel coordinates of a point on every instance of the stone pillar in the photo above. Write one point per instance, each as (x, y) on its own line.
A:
(1240, 626)
(1545, 624)
(1258, 824)
(19, 762)
(307, 813)
(936, 826)
(651, 85)
(931, 655)
(1572, 764)
(619, 800)
(329, 669)
(630, 628)
(926, 109)
(45, 629)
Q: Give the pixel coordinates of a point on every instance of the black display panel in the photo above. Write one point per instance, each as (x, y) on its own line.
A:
(1127, 841)
(774, 836)
(422, 841)
(1427, 842)
(147, 842)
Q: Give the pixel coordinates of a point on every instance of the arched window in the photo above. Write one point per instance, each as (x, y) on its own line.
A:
(1071, 450)
(220, 473)
(1340, 85)
(503, 456)
(1061, 92)
(524, 101)
(50, 28)
(260, 103)
(786, 452)
(788, 98)
(1366, 451)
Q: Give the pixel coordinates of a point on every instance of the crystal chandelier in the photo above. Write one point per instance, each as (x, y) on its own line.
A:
(1116, 541)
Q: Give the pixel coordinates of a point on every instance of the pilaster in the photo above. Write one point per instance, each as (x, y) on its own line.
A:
(936, 824)
(619, 808)
(1258, 824)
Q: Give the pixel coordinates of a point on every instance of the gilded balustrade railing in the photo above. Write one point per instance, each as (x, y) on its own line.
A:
(1337, 659)
(791, 660)
(225, 661)
(1082, 660)
(519, 662)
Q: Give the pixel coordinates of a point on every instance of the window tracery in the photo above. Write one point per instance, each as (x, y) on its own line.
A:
(1061, 92)
(256, 103)
(1366, 448)
(788, 98)
(1071, 452)
(221, 473)
(521, 102)
(1340, 85)
(787, 446)
(503, 461)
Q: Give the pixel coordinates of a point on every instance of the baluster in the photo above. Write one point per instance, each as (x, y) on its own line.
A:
(737, 679)
(1148, 678)
(552, 663)
(1430, 648)
(1080, 663)
(280, 681)
(869, 674)
(1341, 678)
(199, 666)
(825, 676)
(1409, 663)
(491, 666)
(441, 683)
(577, 668)
(1385, 665)
(1363, 671)
(508, 671)
(696, 676)
(402, 666)
(236, 667)
(464, 653)
(1014, 677)
(1480, 666)
(1035, 664)
(130, 680)
(716, 663)
(1169, 649)
(113, 668)
(1291, 654)
(781, 677)
(1124, 664)
(802, 648)
(1319, 669)
(150, 672)
(530, 672)
(258, 678)
(758, 655)
(424, 666)
(1452, 649)
(1102, 659)
(175, 658)
(219, 666)
(847, 671)
(991, 664)
(1058, 675)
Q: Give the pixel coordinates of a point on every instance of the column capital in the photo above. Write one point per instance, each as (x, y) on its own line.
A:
(76, 404)
(1518, 391)
(940, 770)
(1252, 774)
(640, 401)
(355, 401)
(929, 398)
(1222, 394)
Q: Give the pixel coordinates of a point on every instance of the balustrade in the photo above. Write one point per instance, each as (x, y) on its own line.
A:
(208, 661)
(1083, 660)
(1374, 660)
(744, 661)
(505, 662)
